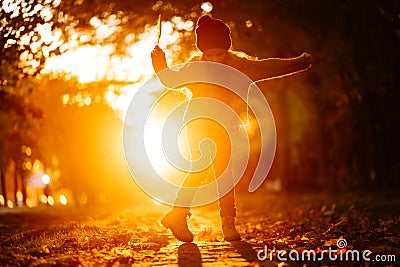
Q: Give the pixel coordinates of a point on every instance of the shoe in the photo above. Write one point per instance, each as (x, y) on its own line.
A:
(176, 221)
(229, 229)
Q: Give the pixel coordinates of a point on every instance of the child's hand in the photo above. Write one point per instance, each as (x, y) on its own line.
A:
(158, 59)
(157, 54)
(308, 58)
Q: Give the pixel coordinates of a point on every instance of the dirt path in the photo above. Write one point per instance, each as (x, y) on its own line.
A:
(134, 236)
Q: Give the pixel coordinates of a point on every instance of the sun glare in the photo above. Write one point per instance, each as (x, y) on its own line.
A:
(93, 63)
(10, 204)
(63, 200)
(125, 73)
(50, 200)
(207, 7)
(19, 196)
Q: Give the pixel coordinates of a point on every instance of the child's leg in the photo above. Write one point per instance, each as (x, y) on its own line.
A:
(228, 214)
(227, 205)
(176, 219)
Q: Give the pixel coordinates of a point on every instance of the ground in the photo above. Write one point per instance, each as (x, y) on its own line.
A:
(308, 223)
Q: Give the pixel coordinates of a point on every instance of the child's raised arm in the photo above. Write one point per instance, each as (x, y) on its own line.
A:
(275, 67)
(158, 59)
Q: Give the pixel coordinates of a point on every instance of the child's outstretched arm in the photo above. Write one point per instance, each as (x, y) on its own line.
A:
(276, 67)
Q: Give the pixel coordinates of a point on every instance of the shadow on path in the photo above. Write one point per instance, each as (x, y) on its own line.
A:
(247, 251)
(189, 255)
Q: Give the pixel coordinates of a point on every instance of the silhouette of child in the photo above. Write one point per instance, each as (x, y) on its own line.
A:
(214, 42)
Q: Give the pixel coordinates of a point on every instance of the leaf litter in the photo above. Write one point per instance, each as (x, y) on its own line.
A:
(134, 237)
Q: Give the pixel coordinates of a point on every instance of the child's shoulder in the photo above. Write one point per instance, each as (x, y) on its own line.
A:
(240, 55)
(198, 56)
(240, 60)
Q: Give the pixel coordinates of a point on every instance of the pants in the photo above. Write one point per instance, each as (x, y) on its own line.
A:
(227, 205)
(221, 140)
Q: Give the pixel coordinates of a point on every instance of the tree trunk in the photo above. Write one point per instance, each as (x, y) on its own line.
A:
(3, 187)
(16, 178)
(23, 187)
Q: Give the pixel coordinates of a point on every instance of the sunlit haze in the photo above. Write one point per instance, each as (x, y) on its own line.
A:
(91, 63)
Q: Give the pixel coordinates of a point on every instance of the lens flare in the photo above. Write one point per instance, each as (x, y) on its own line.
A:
(207, 7)
(63, 200)
(46, 179)
(202, 155)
